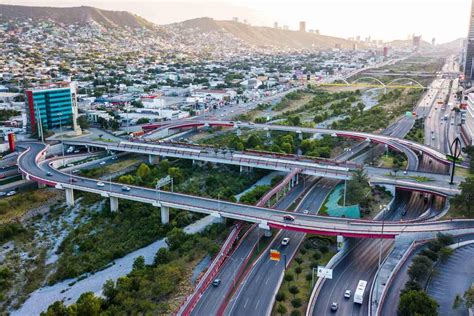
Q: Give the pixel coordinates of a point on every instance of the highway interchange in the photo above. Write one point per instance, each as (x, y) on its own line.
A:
(255, 294)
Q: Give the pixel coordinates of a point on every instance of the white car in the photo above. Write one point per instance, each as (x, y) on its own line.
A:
(10, 193)
(305, 212)
(347, 294)
(100, 184)
(102, 163)
(285, 241)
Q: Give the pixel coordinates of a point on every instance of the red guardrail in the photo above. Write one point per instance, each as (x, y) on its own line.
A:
(191, 301)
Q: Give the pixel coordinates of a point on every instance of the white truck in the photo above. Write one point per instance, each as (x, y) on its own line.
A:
(360, 291)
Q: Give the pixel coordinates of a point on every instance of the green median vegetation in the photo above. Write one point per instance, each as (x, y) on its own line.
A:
(295, 290)
(155, 289)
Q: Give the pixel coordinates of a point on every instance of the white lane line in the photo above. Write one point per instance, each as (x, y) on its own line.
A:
(246, 301)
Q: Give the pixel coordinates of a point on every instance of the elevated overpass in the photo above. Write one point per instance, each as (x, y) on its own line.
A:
(432, 183)
(31, 163)
(409, 148)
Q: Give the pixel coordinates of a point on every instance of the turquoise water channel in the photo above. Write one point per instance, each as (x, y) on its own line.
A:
(334, 209)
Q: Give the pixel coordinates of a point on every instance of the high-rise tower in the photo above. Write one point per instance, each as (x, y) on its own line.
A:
(469, 47)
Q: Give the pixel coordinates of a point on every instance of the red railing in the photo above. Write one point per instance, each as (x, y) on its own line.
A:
(191, 301)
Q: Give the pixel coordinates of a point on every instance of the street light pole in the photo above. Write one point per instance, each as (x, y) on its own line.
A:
(380, 250)
(61, 137)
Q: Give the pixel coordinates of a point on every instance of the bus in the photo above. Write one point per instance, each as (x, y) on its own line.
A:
(360, 291)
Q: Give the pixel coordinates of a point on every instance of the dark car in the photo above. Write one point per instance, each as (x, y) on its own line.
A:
(49, 174)
(216, 282)
(288, 218)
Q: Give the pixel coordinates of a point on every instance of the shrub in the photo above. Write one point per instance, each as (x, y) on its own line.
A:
(296, 302)
(280, 297)
(317, 255)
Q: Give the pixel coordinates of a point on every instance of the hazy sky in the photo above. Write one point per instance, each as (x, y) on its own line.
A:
(382, 19)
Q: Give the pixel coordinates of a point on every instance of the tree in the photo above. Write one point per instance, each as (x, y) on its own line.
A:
(466, 198)
(457, 301)
(295, 313)
(175, 238)
(280, 296)
(143, 120)
(253, 141)
(56, 309)
(357, 187)
(289, 278)
(469, 297)
(294, 290)
(126, 179)
(163, 256)
(296, 302)
(420, 268)
(88, 304)
(143, 171)
(139, 263)
(109, 290)
(281, 309)
(83, 122)
(413, 303)
(298, 271)
(176, 174)
(445, 253)
(412, 286)
(360, 107)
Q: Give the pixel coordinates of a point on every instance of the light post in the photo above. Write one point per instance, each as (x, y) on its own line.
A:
(158, 194)
(61, 137)
(383, 208)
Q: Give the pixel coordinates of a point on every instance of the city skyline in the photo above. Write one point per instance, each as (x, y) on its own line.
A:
(443, 20)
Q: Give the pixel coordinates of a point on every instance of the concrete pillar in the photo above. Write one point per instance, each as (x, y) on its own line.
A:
(296, 179)
(69, 197)
(238, 132)
(267, 232)
(220, 220)
(153, 159)
(165, 215)
(41, 185)
(114, 204)
(300, 136)
(269, 134)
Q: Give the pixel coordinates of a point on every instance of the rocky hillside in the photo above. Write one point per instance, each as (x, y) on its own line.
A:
(265, 36)
(74, 15)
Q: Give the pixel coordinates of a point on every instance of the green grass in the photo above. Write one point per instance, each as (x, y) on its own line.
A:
(302, 281)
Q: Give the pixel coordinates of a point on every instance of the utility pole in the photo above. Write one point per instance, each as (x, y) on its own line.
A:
(455, 150)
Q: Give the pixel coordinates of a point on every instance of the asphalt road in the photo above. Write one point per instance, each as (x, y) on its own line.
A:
(452, 284)
(453, 277)
(257, 291)
(210, 300)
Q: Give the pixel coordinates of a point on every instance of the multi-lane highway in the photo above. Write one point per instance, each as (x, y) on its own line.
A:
(256, 293)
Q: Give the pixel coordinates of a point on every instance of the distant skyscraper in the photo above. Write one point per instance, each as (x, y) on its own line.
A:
(468, 59)
(358, 38)
(302, 26)
(235, 19)
(416, 42)
(433, 41)
(385, 51)
(275, 25)
(285, 27)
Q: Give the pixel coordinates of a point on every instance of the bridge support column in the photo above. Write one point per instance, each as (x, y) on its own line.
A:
(267, 232)
(269, 134)
(41, 185)
(153, 159)
(69, 197)
(245, 169)
(114, 204)
(300, 136)
(238, 132)
(165, 215)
